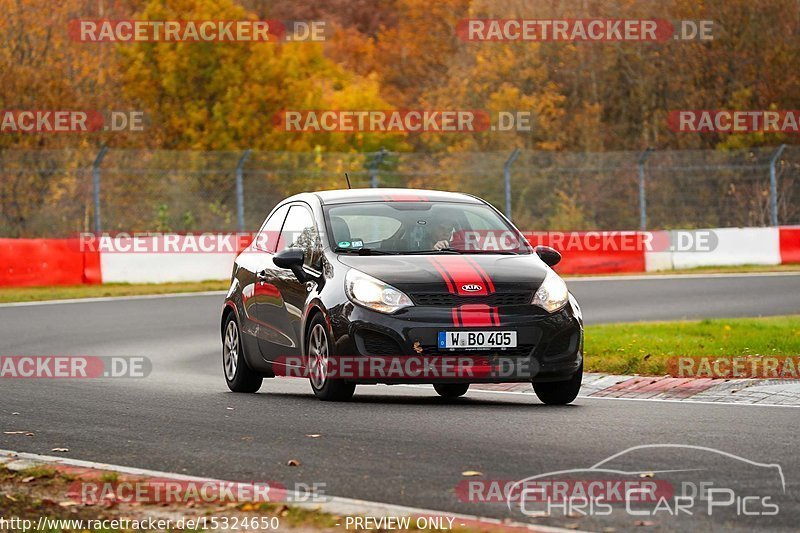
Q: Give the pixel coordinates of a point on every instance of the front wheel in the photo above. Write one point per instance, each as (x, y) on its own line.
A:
(560, 392)
(451, 390)
(318, 363)
(238, 376)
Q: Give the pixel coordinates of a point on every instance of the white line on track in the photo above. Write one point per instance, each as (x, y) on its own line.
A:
(116, 298)
(663, 400)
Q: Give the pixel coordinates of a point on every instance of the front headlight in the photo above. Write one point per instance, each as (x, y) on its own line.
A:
(373, 293)
(553, 293)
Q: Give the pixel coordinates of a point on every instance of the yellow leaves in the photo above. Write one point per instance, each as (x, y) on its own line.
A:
(584, 97)
(224, 96)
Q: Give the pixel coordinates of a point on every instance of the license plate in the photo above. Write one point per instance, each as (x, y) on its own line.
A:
(477, 340)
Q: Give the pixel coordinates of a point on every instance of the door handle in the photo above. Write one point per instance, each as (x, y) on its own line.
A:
(262, 276)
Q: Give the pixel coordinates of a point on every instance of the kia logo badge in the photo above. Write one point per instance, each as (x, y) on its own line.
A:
(471, 287)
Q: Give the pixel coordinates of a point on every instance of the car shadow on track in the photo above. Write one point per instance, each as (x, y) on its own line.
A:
(423, 398)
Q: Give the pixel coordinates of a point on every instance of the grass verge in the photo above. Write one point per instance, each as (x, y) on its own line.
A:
(646, 347)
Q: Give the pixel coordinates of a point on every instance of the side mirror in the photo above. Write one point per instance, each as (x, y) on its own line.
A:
(550, 256)
(292, 258)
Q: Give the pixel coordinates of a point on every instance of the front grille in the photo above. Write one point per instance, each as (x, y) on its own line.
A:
(379, 344)
(438, 299)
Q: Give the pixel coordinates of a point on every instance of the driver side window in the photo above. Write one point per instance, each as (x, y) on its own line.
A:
(300, 231)
(267, 238)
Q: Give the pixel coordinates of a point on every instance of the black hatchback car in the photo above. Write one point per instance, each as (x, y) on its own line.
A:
(363, 286)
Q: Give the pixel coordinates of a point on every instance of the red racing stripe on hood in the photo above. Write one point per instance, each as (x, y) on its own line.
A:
(445, 276)
(465, 272)
(458, 271)
(485, 275)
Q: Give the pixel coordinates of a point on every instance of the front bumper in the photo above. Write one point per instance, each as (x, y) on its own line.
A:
(549, 346)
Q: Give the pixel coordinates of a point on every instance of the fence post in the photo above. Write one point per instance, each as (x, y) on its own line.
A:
(642, 189)
(773, 186)
(507, 179)
(96, 187)
(240, 189)
(373, 167)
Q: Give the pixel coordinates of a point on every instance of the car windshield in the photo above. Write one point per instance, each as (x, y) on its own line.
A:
(421, 227)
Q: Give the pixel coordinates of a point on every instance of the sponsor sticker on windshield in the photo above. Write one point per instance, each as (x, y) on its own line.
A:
(355, 243)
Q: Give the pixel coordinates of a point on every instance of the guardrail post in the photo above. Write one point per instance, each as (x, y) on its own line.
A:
(96, 187)
(507, 179)
(773, 186)
(240, 189)
(643, 189)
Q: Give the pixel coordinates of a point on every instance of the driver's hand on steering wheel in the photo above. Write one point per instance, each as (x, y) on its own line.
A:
(441, 244)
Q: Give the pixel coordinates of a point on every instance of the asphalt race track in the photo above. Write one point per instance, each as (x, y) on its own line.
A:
(686, 296)
(402, 445)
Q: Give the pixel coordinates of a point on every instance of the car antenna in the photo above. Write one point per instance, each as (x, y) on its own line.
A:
(348, 180)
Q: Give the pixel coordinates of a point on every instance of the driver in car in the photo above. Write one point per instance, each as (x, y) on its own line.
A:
(441, 233)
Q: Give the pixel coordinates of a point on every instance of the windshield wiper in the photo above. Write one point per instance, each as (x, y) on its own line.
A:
(457, 251)
(489, 252)
(362, 251)
(440, 251)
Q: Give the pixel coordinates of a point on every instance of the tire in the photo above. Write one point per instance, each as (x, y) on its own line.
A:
(451, 390)
(560, 392)
(238, 376)
(318, 350)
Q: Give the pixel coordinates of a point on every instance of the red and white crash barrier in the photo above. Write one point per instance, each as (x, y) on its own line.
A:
(789, 243)
(169, 258)
(175, 258)
(41, 262)
(716, 247)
